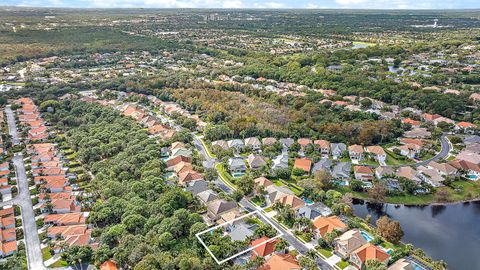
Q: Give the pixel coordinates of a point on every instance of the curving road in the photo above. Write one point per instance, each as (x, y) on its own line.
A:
(445, 149)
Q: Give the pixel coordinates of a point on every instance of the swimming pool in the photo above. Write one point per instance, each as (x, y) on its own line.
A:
(236, 175)
(417, 266)
(366, 236)
(472, 177)
(342, 183)
(307, 201)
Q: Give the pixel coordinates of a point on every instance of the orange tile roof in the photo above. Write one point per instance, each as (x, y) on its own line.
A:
(174, 161)
(355, 148)
(69, 218)
(108, 265)
(281, 262)
(363, 169)
(303, 164)
(371, 252)
(189, 176)
(6, 212)
(466, 125)
(265, 249)
(67, 230)
(322, 143)
(327, 224)
(8, 247)
(304, 141)
(292, 200)
(411, 122)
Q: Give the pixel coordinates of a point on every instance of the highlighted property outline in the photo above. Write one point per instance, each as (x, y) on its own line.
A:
(246, 250)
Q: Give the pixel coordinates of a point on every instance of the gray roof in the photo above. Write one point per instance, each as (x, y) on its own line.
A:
(241, 231)
(286, 141)
(235, 143)
(207, 196)
(471, 139)
(341, 170)
(181, 152)
(256, 161)
(323, 164)
(280, 162)
(220, 206)
(338, 147)
(197, 187)
(313, 211)
(236, 162)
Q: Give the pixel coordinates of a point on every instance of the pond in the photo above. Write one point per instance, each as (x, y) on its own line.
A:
(447, 232)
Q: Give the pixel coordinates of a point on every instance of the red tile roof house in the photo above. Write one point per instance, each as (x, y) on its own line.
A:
(430, 117)
(368, 252)
(7, 249)
(304, 164)
(47, 171)
(303, 143)
(324, 146)
(62, 206)
(7, 222)
(76, 235)
(261, 181)
(363, 173)
(67, 219)
(7, 235)
(4, 166)
(265, 249)
(355, 152)
(410, 150)
(412, 122)
(465, 127)
(281, 262)
(324, 225)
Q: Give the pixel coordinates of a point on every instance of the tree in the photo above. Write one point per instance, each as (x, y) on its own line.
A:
(307, 263)
(78, 255)
(282, 245)
(356, 185)
(378, 192)
(245, 184)
(374, 265)
(389, 229)
(255, 263)
(211, 174)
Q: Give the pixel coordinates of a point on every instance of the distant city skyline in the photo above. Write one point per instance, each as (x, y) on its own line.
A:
(273, 4)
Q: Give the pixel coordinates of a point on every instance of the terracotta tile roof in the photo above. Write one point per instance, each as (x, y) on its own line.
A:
(6, 212)
(292, 200)
(67, 230)
(108, 265)
(8, 247)
(304, 141)
(187, 176)
(377, 150)
(355, 148)
(362, 169)
(322, 143)
(327, 224)
(281, 262)
(303, 164)
(262, 181)
(174, 161)
(411, 122)
(265, 249)
(466, 125)
(371, 252)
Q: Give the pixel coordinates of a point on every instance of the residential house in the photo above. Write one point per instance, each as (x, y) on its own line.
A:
(291, 200)
(177, 145)
(241, 231)
(66, 219)
(281, 262)
(348, 242)
(181, 152)
(8, 248)
(418, 133)
(402, 264)
(410, 150)
(442, 168)
(323, 164)
(269, 141)
(324, 146)
(382, 171)
(186, 177)
(430, 117)
(355, 152)
(108, 265)
(443, 120)
(303, 164)
(304, 142)
(237, 165)
(474, 148)
(368, 252)
(341, 170)
(221, 143)
(173, 161)
(219, 207)
(430, 176)
(378, 153)
(261, 181)
(280, 162)
(274, 193)
(363, 173)
(236, 144)
(338, 149)
(324, 225)
(286, 142)
(197, 187)
(465, 127)
(253, 143)
(263, 246)
(413, 123)
(207, 196)
(256, 162)
(313, 211)
(409, 173)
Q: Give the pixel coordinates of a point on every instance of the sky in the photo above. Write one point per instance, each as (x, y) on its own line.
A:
(275, 4)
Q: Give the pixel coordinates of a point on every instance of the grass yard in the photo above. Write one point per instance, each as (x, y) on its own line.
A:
(342, 264)
(46, 253)
(59, 263)
(395, 160)
(225, 175)
(325, 252)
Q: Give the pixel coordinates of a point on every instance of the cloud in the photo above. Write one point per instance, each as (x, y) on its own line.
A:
(273, 5)
(351, 2)
(233, 4)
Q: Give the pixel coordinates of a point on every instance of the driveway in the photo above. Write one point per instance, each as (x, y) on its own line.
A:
(445, 149)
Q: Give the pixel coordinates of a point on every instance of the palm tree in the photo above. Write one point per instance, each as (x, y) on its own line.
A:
(281, 245)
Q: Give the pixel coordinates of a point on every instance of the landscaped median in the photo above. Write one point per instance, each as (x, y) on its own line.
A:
(206, 148)
(225, 176)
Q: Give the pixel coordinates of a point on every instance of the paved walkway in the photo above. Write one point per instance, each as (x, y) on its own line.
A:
(32, 242)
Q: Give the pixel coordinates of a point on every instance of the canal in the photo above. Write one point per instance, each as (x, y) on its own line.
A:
(447, 232)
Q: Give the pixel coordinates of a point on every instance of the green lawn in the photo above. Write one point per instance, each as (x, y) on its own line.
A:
(395, 160)
(342, 264)
(210, 154)
(325, 252)
(46, 253)
(59, 263)
(224, 175)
